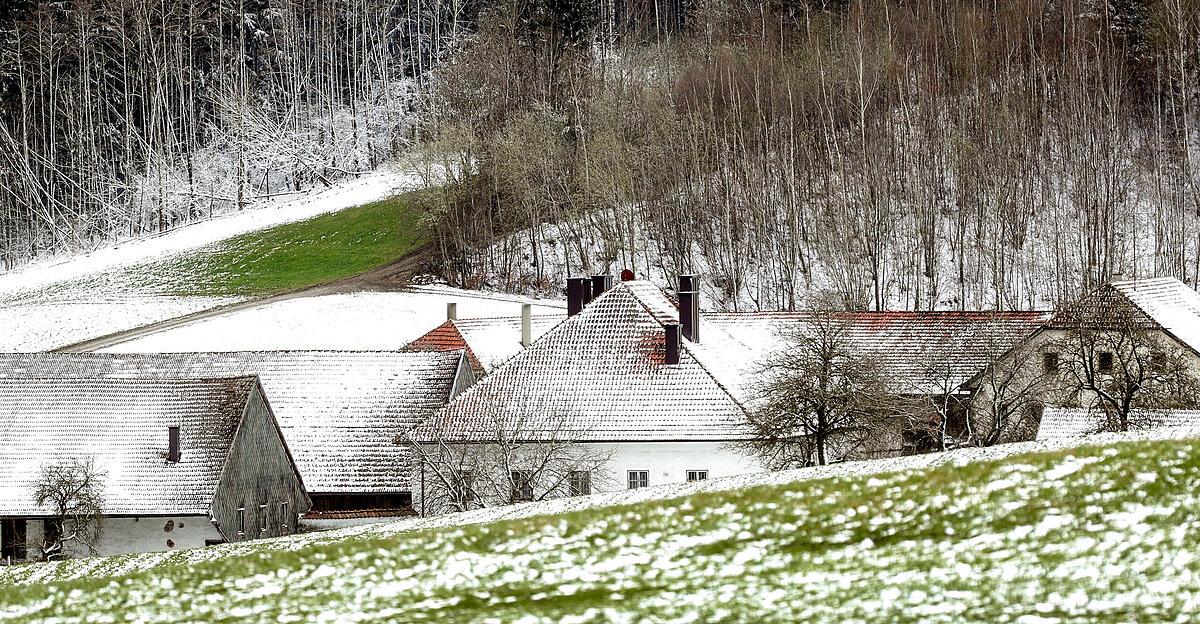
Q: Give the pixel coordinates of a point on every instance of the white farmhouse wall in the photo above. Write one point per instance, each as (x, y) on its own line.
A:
(151, 534)
(668, 462)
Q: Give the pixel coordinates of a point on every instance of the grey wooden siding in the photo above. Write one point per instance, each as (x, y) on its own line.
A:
(258, 477)
(464, 377)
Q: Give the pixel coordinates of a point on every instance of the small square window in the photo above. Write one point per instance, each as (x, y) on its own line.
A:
(639, 479)
(579, 482)
(697, 475)
(1106, 361)
(1158, 362)
(1050, 362)
(522, 486)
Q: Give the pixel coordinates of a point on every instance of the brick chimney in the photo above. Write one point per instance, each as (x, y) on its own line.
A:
(672, 331)
(574, 295)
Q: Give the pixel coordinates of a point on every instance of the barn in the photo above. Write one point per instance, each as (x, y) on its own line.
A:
(180, 462)
(338, 411)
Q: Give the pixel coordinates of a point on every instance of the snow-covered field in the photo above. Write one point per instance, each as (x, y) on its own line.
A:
(56, 302)
(364, 320)
(913, 465)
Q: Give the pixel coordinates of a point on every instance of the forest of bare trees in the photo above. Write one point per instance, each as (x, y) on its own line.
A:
(124, 117)
(912, 154)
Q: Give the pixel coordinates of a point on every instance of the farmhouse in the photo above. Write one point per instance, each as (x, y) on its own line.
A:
(616, 379)
(488, 342)
(182, 462)
(338, 410)
(662, 392)
(1124, 339)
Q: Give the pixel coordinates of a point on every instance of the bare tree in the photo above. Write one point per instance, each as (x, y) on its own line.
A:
(822, 400)
(1009, 394)
(507, 460)
(1117, 363)
(72, 490)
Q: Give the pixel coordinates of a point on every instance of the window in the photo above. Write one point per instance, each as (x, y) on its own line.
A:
(285, 521)
(1158, 362)
(262, 516)
(697, 475)
(241, 521)
(464, 488)
(1106, 361)
(522, 486)
(579, 482)
(12, 540)
(639, 479)
(1050, 362)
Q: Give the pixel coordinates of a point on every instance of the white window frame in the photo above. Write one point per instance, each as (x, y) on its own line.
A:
(643, 479)
(696, 475)
(584, 478)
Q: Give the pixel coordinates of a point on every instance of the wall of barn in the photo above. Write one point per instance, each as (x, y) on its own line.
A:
(259, 480)
(122, 535)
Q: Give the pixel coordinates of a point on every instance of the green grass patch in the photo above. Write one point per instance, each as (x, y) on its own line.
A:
(1096, 534)
(295, 255)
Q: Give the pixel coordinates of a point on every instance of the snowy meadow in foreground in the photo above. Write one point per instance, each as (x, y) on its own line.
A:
(1096, 533)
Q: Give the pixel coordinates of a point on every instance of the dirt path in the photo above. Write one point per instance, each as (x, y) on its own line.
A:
(389, 277)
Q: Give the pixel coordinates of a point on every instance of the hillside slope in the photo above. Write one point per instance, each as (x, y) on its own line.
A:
(1096, 533)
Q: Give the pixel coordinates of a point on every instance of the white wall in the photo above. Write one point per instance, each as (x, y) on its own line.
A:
(668, 462)
(130, 535)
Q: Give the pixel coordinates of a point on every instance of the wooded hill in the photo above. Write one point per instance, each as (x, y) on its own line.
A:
(913, 154)
(125, 117)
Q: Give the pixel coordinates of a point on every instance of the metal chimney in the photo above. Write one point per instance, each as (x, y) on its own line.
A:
(526, 324)
(173, 444)
(587, 290)
(574, 295)
(600, 284)
(672, 343)
(689, 306)
(451, 311)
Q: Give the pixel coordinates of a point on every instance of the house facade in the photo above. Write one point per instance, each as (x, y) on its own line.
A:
(179, 463)
(1136, 341)
(338, 411)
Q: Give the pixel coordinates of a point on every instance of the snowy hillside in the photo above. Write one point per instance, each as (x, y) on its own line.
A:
(968, 535)
(57, 302)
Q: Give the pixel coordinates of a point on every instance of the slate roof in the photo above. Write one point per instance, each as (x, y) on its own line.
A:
(1078, 422)
(121, 424)
(338, 410)
(489, 342)
(600, 376)
(909, 346)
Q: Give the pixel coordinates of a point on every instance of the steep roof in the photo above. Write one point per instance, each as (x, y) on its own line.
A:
(921, 352)
(1076, 422)
(489, 342)
(122, 425)
(338, 410)
(1171, 304)
(600, 376)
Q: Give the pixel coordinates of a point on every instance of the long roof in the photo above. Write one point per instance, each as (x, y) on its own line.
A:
(489, 342)
(1074, 422)
(921, 352)
(121, 424)
(601, 376)
(338, 410)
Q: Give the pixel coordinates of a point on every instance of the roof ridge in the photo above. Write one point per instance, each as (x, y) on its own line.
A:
(688, 345)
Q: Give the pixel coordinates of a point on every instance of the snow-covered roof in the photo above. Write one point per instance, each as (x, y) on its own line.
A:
(122, 425)
(601, 376)
(920, 352)
(1075, 422)
(489, 342)
(1170, 303)
(338, 410)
